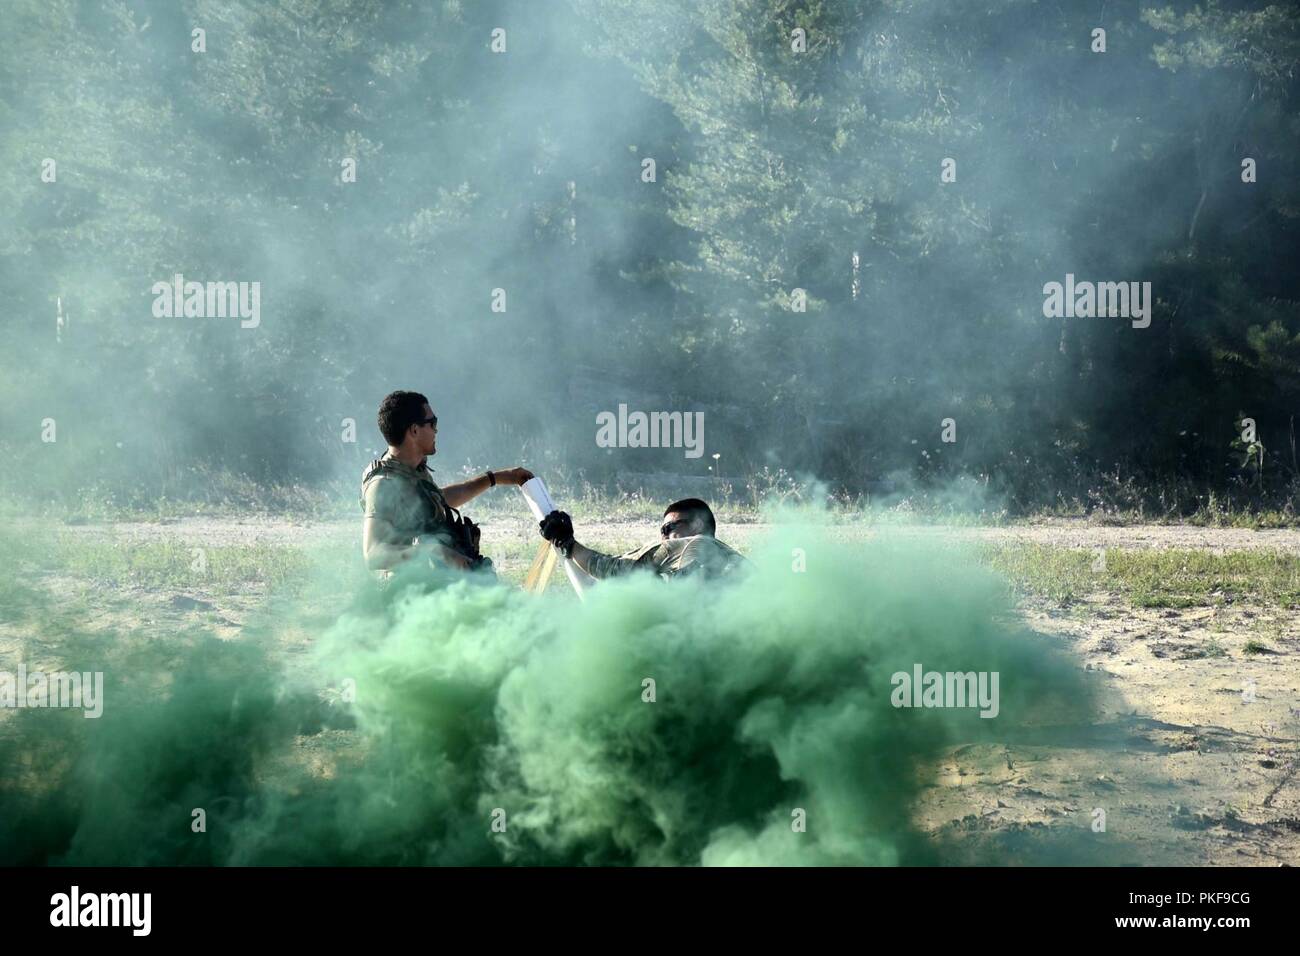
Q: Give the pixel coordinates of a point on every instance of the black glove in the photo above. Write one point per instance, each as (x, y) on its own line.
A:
(557, 528)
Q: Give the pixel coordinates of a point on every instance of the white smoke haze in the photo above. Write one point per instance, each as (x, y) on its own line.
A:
(534, 213)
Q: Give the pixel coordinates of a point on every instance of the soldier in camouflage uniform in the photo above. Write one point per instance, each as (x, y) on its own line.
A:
(406, 513)
(687, 546)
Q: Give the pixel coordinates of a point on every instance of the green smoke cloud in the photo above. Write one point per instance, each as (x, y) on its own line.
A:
(771, 737)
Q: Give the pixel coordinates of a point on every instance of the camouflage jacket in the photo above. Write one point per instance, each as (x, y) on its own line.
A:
(407, 498)
(701, 554)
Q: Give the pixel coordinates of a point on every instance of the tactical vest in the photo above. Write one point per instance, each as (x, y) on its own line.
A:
(458, 533)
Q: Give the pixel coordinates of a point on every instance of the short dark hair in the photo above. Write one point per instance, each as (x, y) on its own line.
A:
(695, 508)
(398, 412)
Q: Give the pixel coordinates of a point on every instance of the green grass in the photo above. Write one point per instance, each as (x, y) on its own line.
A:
(173, 565)
(1205, 516)
(216, 570)
(1174, 578)
(1144, 578)
(200, 490)
(1214, 648)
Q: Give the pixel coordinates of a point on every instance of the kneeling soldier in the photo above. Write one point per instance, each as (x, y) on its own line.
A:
(406, 513)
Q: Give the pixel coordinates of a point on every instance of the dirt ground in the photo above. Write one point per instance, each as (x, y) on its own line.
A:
(1193, 761)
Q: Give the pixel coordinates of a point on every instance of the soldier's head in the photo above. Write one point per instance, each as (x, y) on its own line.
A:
(686, 518)
(407, 421)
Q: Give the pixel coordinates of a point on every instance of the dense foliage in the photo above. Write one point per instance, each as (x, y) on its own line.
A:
(776, 169)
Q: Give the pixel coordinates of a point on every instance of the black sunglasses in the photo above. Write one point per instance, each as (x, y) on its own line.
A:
(669, 527)
(429, 421)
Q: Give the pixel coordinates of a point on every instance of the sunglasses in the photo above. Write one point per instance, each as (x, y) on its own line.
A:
(429, 421)
(669, 527)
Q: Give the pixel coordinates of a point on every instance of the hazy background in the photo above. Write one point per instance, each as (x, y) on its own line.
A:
(522, 171)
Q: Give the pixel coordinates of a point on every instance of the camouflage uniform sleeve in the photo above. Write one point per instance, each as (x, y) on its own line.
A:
(383, 498)
(377, 499)
(609, 566)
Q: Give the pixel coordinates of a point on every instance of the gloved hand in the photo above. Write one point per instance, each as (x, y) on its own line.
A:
(557, 528)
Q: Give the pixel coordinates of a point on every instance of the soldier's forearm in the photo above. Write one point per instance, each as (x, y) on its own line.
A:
(582, 557)
(457, 495)
(599, 565)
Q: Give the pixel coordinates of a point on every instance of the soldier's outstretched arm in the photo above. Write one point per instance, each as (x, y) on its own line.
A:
(459, 494)
(557, 528)
(593, 562)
